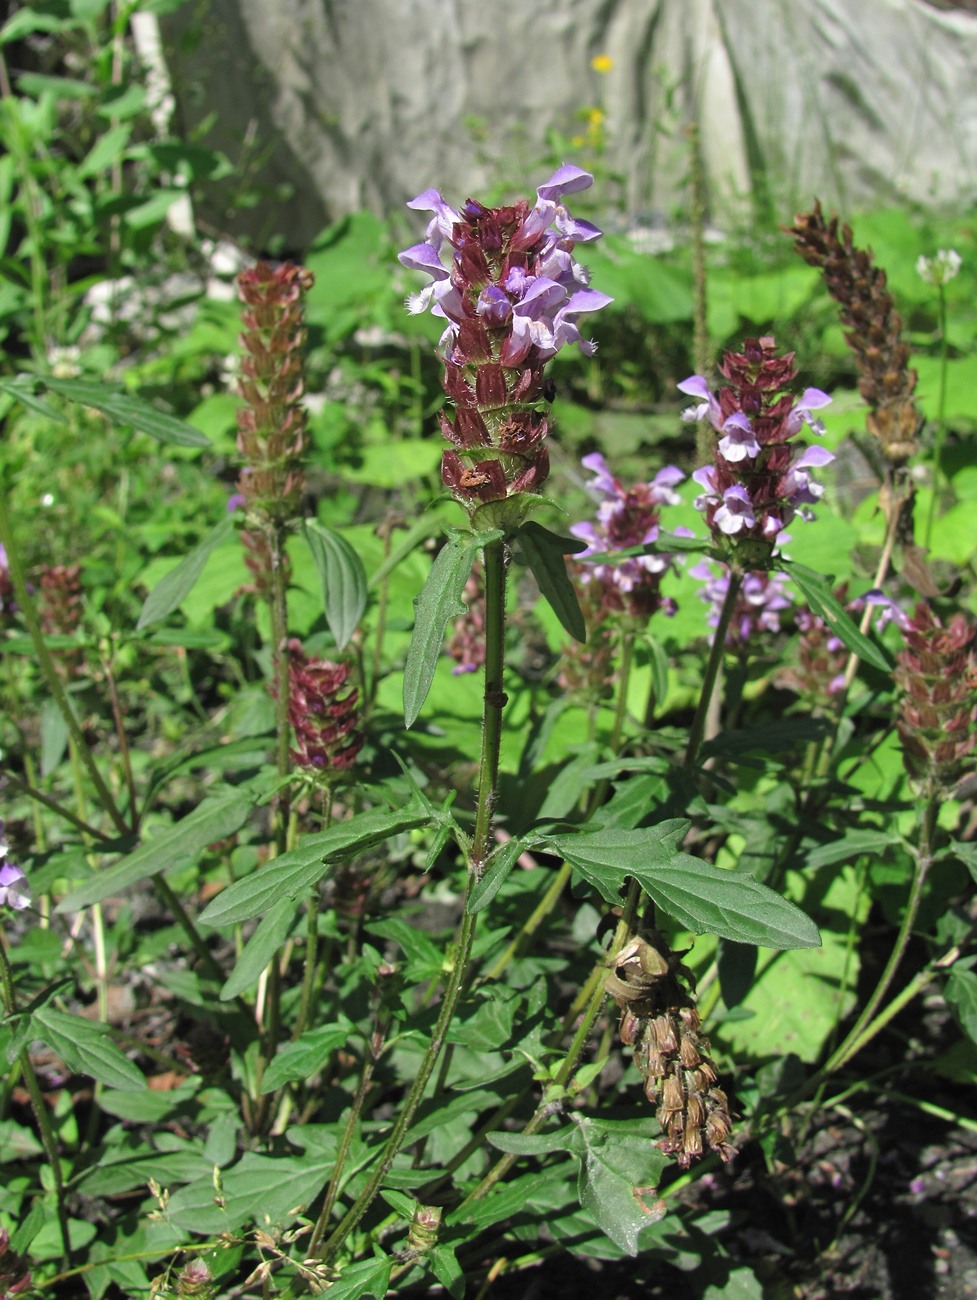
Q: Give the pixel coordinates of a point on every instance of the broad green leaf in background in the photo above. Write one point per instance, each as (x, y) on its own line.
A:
(816, 590)
(343, 580)
(265, 1190)
(170, 592)
(290, 874)
(83, 1045)
(439, 602)
(178, 845)
(122, 408)
(851, 845)
(543, 552)
(797, 998)
(702, 898)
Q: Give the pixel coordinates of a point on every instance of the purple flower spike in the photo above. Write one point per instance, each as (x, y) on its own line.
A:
(506, 282)
(759, 479)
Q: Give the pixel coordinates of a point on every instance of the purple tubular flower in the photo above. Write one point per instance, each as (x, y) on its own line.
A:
(14, 892)
(761, 599)
(506, 282)
(627, 518)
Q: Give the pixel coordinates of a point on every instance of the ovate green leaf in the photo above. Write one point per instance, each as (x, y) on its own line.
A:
(307, 1055)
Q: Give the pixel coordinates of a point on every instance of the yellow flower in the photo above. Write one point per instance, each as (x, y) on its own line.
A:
(595, 117)
(602, 63)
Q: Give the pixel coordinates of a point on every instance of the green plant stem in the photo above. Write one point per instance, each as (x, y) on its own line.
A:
(349, 1130)
(48, 668)
(940, 436)
(494, 563)
(48, 1138)
(520, 941)
(865, 1028)
(713, 665)
(40, 797)
(312, 933)
(278, 605)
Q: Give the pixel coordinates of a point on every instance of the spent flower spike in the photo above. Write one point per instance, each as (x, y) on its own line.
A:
(506, 282)
(760, 478)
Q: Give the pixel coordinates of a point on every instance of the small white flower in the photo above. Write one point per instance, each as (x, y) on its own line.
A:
(941, 268)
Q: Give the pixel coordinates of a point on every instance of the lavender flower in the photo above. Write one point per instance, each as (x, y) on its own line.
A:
(7, 604)
(14, 892)
(626, 518)
(760, 601)
(511, 293)
(760, 478)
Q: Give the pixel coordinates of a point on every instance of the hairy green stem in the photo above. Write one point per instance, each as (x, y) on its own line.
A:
(859, 1033)
(713, 665)
(494, 562)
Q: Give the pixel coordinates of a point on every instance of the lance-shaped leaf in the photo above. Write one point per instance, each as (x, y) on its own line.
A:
(618, 1183)
(439, 601)
(171, 591)
(260, 948)
(179, 845)
(122, 408)
(543, 552)
(290, 874)
(816, 590)
(343, 580)
(22, 389)
(702, 898)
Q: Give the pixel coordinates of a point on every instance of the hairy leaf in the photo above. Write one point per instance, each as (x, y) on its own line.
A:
(294, 872)
(84, 1046)
(342, 577)
(701, 897)
(439, 602)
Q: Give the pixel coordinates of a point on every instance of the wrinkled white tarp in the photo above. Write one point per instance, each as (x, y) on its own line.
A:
(363, 103)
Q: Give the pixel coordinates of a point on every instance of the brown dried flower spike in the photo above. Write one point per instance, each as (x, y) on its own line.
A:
(873, 329)
(659, 1020)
